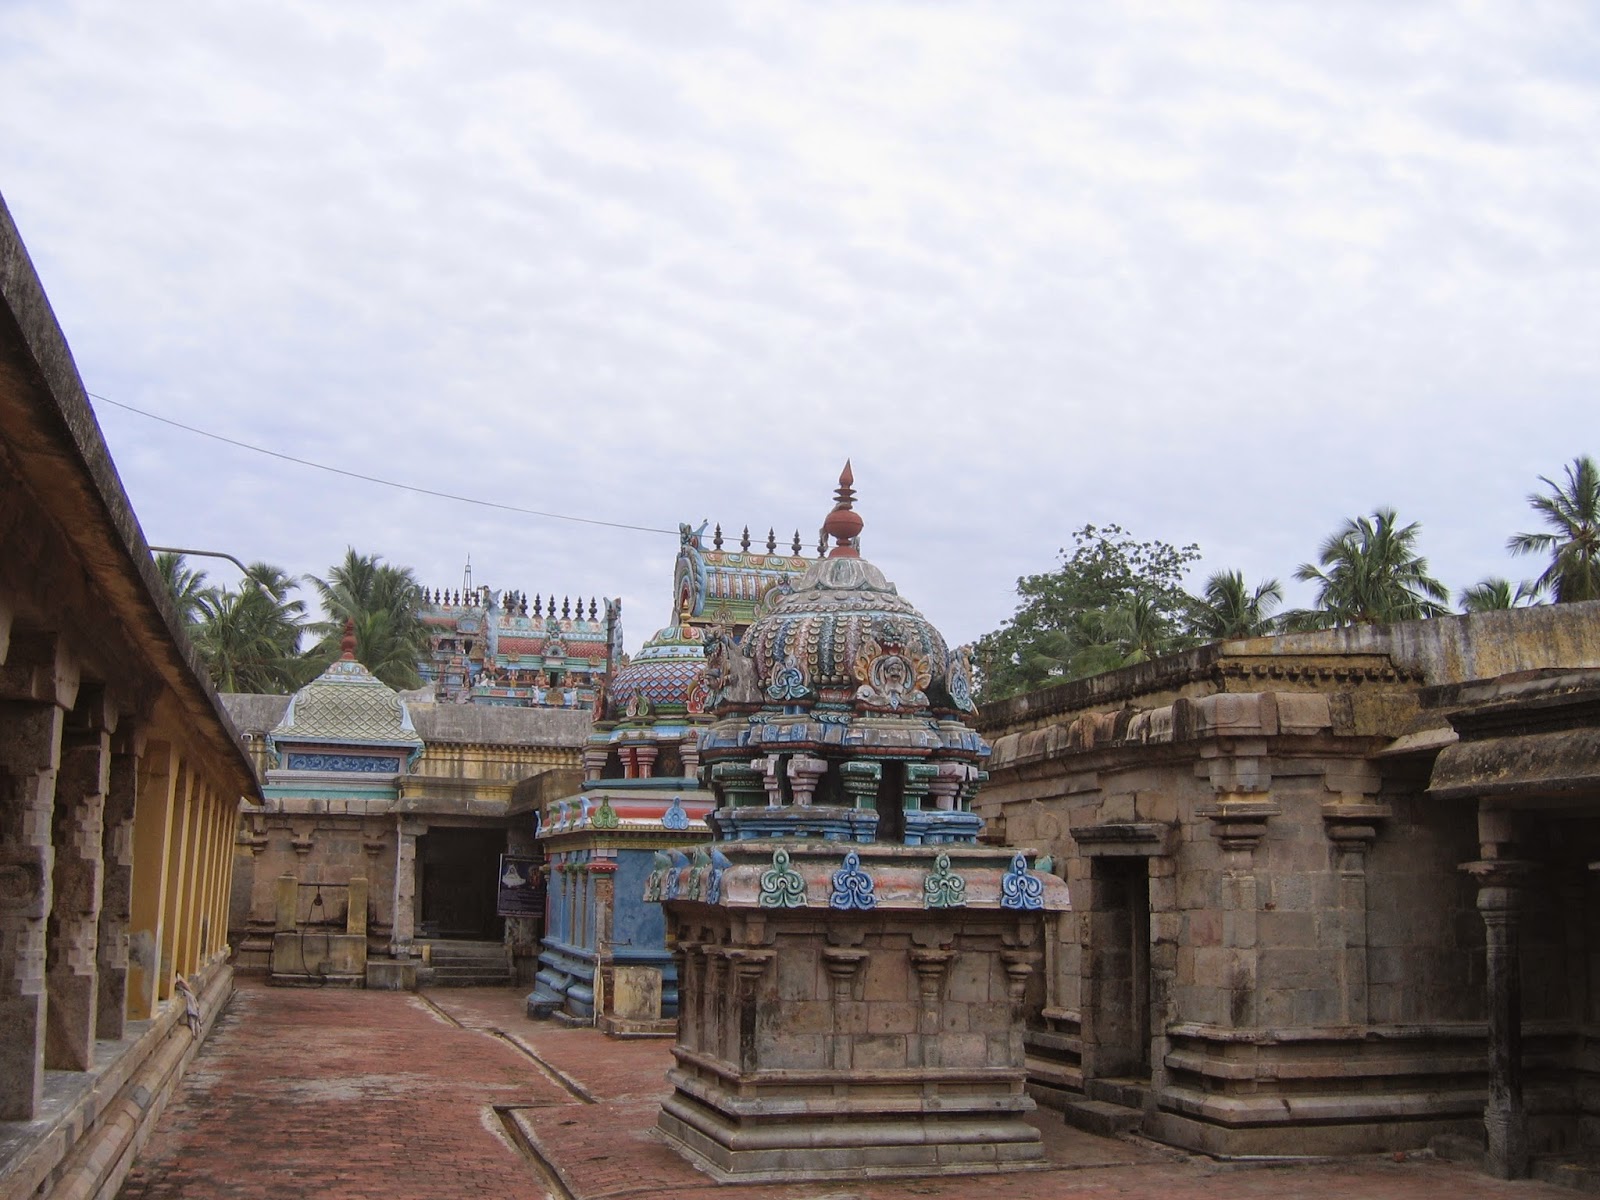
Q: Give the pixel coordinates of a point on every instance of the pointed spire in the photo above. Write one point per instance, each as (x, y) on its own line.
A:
(844, 524)
(772, 541)
(566, 607)
(744, 540)
(716, 537)
(796, 543)
(347, 644)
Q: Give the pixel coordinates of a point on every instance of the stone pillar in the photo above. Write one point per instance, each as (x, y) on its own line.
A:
(1352, 828)
(285, 903)
(152, 834)
(945, 787)
(355, 916)
(602, 878)
(184, 958)
(690, 962)
(932, 964)
(645, 756)
(805, 772)
(1019, 965)
(749, 965)
(1239, 822)
(713, 1004)
(771, 770)
(1505, 1120)
(30, 748)
(405, 886)
(77, 832)
(116, 898)
(844, 965)
(737, 785)
(862, 778)
(919, 779)
(178, 852)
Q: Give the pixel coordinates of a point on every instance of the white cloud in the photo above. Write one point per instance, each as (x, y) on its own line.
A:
(1222, 273)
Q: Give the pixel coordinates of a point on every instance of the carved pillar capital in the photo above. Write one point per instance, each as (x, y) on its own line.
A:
(931, 963)
(805, 772)
(844, 966)
(1239, 822)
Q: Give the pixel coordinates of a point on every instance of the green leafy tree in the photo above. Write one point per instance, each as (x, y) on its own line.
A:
(187, 586)
(1494, 593)
(1112, 600)
(1572, 513)
(1230, 608)
(384, 602)
(251, 638)
(1369, 572)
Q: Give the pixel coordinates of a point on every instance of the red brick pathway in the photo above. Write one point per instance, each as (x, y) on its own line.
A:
(320, 1092)
(336, 1094)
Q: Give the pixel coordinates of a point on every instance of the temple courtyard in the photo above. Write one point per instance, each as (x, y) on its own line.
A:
(455, 1092)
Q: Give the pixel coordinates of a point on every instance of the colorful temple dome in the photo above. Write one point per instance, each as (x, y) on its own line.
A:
(843, 635)
(347, 705)
(664, 679)
(841, 705)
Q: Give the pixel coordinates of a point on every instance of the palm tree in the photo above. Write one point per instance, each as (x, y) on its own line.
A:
(187, 586)
(1493, 594)
(384, 601)
(1370, 573)
(250, 638)
(1573, 512)
(1229, 609)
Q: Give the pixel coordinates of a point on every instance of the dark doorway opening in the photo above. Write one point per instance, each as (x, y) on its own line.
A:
(892, 803)
(1120, 943)
(458, 881)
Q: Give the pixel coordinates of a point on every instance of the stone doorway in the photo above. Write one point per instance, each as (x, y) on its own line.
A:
(457, 883)
(1119, 943)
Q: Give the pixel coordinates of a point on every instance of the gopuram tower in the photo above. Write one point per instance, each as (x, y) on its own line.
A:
(853, 965)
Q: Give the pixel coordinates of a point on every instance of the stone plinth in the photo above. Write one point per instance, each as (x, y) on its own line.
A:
(854, 1009)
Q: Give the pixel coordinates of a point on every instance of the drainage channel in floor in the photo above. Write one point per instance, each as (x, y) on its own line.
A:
(549, 1177)
(548, 1069)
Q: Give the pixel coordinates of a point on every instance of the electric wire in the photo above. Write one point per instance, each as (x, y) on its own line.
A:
(404, 487)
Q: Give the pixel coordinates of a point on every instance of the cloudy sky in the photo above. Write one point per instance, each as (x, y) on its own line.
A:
(1221, 273)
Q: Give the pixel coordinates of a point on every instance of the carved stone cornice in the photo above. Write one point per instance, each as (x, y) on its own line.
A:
(1123, 838)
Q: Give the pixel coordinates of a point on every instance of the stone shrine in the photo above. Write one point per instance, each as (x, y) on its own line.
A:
(853, 966)
(639, 801)
(604, 956)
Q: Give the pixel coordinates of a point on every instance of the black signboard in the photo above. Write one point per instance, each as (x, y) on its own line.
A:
(521, 887)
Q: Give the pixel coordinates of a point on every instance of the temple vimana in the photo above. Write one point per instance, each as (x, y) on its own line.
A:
(1327, 893)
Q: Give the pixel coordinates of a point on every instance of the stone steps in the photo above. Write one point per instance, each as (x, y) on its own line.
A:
(1108, 1107)
(1102, 1117)
(468, 964)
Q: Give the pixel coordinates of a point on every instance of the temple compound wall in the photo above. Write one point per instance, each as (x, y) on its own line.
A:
(406, 800)
(1298, 878)
(120, 778)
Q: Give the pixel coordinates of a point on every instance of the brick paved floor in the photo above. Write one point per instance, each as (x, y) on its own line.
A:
(456, 1093)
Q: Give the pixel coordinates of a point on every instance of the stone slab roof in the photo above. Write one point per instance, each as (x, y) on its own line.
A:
(255, 713)
(496, 725)
(481, 724)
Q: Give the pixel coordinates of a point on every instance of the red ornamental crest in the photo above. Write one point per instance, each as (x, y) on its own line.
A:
(699, 695)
